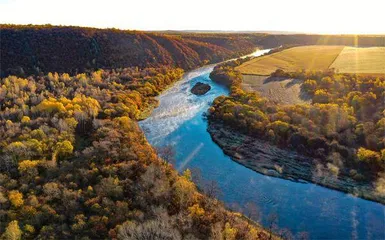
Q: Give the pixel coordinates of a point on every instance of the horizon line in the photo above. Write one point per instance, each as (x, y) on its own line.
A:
(285, 32)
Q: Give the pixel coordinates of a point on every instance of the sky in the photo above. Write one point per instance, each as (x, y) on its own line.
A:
(312, 16)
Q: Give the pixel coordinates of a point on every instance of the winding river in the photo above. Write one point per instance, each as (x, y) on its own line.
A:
(300, 207)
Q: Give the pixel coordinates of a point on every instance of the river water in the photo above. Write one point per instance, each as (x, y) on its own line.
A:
(300, 207)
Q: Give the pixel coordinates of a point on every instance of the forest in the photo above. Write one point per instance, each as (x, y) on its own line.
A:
(343, 126)
(74, 162)
(35, 49)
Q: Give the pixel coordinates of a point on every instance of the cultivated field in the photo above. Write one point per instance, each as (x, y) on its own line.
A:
(288, 91)
(343, 59)
(361, 60)
(292, 59)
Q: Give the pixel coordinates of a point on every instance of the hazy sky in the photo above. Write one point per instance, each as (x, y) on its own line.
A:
(319, 16)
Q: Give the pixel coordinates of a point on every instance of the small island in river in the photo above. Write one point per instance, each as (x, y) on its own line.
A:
(200, 88)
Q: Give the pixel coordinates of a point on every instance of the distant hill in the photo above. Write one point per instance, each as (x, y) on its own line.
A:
(304, 39)
(34, 49)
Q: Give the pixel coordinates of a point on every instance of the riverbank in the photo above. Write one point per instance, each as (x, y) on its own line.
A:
(270, 160)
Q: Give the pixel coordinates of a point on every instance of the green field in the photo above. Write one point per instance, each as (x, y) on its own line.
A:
(343, 59)
(361, 60)
(292, 59)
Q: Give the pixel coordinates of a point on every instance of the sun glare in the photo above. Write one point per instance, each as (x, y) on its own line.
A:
(323, 17)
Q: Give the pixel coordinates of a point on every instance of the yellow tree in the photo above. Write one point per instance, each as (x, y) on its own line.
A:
(28, 170)
(12, 232)
(62, 149)
(229, 233)
(88, 105)
(50, 106)
(16, 198)
(367, 155)
(184, 189)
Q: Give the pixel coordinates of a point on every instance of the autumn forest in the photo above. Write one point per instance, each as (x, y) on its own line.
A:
(74, 163)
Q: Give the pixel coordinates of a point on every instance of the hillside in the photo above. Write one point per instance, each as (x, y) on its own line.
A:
(33, 49)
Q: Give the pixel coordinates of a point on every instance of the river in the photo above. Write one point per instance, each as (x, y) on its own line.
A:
(300, 207)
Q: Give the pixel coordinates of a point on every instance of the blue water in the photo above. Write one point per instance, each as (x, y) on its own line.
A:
(300, 207)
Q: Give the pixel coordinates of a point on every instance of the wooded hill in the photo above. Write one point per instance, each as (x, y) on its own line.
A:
(32, 49)
(271, 41)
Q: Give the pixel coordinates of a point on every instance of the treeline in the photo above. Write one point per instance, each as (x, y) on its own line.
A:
(265, 40)
(272, 41)
(343, 127)
(32, 49)
(75, 163)
(226, 74)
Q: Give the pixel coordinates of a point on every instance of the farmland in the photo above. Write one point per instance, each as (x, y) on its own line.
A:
(292, 59)
(361, 60)
(342, 59)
